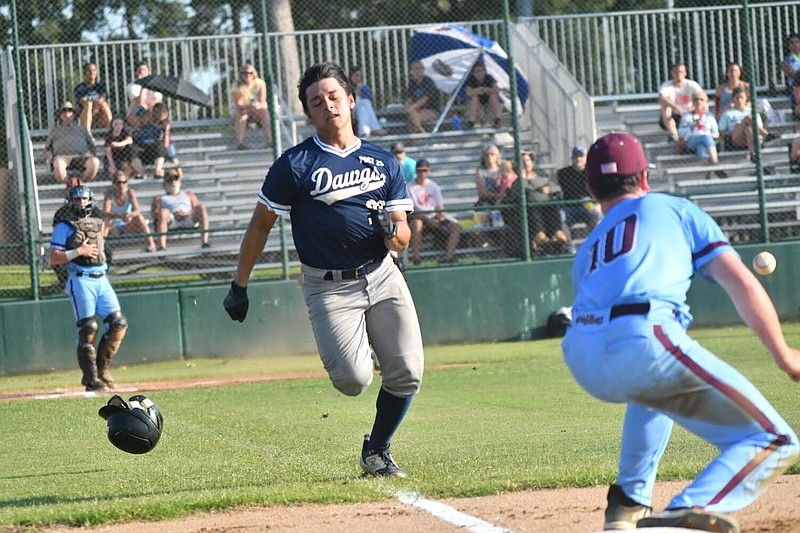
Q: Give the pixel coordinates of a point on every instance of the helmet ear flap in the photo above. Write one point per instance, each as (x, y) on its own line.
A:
(115, 405)
(133, 427)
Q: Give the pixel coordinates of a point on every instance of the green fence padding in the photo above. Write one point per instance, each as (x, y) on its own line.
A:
(711, 306)
(490, 302)
(41, 336)
(277, 322)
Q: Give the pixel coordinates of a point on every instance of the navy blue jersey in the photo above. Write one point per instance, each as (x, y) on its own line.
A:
(328, 193)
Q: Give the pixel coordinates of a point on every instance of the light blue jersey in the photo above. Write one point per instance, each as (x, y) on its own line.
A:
(626, 257)
(89, 291)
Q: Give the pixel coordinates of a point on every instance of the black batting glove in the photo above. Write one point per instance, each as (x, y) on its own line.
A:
(382, 223)
(236, 302)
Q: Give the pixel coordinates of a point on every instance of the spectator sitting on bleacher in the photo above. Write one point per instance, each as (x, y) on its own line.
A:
(407, 164)
(675, 99)
(544, 221)
(422, 99)
(249, 104)
(699, 132)
(574, 183)
(366, 119)
(487, 177)
(791, 67)
(122, 212)
(69, 143)
(507, 178)
(429, 212)
(723, 96)
(118, 147)
(160, 115)
(141, 96)
(736, 124)
(484, 100)
(148, 144)
(91, 96)
(178, 209)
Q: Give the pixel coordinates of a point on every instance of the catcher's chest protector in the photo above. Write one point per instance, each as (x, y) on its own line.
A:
(87, 229)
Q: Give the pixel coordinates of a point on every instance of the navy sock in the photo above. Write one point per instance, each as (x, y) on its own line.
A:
(390, 411)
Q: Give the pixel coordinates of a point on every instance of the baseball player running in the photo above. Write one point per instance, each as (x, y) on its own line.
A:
(78, 242)
(628, 344)
(348, 202)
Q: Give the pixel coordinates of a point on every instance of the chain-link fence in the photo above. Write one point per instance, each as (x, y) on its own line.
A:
(514, 98)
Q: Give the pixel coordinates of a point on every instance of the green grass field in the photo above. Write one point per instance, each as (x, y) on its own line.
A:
(509, 419)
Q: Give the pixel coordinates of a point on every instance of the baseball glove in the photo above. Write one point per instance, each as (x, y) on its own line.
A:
(382, 223)
(236, 302)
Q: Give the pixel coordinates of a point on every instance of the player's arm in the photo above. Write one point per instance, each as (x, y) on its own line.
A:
(60, 257)
(253, 242)
(399, 242)
(755, 307)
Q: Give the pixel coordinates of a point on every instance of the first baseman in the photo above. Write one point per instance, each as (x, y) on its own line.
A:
(348, 204)
(628, 344)
(78, 242)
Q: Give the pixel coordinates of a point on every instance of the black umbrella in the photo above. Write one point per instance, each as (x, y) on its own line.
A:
(175, 87)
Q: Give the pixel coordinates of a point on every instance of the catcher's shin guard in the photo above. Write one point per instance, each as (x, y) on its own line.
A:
(116, 327)
(87, 356)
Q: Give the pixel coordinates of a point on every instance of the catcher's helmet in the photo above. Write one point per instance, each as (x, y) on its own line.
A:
(133, 428)
(81, 192)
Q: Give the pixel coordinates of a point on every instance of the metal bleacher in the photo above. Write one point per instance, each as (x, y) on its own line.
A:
(227, 181)
(732, 197)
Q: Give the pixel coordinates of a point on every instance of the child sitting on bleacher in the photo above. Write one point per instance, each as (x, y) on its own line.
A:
(699, 131)
(148, 144)
(118, 147)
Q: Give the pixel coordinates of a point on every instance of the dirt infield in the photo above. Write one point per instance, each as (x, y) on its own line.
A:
(552, 511)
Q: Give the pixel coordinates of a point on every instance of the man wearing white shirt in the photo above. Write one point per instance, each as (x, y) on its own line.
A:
(675, 98)
(429, 212)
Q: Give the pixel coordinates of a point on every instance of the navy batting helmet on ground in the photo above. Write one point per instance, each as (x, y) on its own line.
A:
(134, 427)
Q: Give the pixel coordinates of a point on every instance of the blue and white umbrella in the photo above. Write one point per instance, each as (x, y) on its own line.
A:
(448, 53)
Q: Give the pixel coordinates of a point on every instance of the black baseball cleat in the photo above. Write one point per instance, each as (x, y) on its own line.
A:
(96, 386)
(379, 462)
(691, 519)
(622, 512)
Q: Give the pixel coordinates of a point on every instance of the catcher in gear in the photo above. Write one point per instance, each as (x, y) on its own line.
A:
(78, 243)
(65, 212)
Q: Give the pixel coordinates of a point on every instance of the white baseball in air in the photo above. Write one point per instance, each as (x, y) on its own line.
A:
(764, 263)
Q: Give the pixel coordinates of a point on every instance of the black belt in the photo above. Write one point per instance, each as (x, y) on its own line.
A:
(629, 309)
(355, 273)
(94, 275)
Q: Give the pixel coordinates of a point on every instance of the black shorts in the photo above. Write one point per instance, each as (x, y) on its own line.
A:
(149, 153)
(675, 116)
